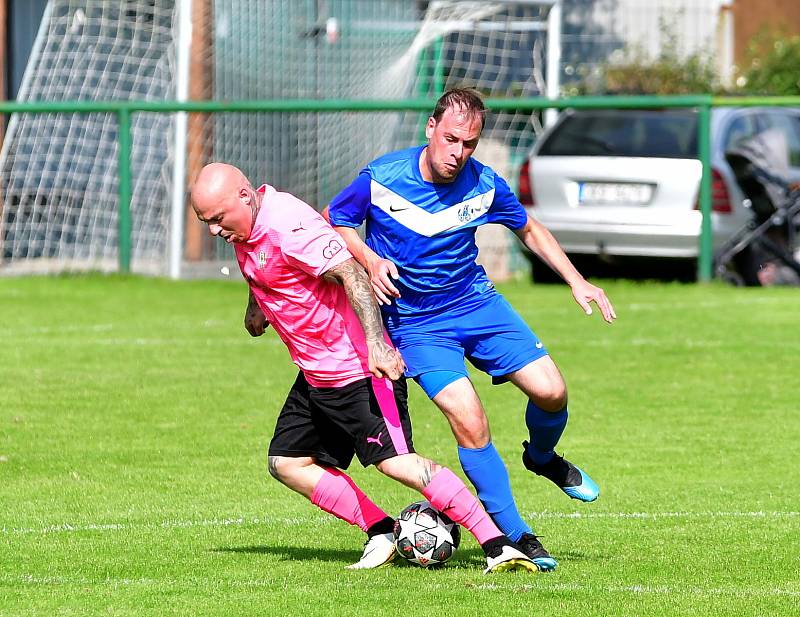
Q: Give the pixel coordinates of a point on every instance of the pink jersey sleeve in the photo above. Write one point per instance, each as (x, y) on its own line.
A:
(309, 242)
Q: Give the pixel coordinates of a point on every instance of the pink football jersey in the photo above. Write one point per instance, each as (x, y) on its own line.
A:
(283, 260)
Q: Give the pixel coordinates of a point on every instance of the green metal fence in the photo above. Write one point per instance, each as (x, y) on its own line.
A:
(124, 109)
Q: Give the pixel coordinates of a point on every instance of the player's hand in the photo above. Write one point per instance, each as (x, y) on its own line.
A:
(255, 322)
(585, 293)
(381, 273)
(385, 360)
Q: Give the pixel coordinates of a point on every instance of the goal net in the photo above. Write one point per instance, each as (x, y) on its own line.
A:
(58, 172)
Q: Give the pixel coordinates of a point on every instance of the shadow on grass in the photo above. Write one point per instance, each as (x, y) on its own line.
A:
(295, 553)
(303, 553)
(472, 557)
(574, 556)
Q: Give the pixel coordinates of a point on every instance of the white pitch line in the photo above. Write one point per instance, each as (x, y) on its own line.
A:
(170, 524)
(657, 515)
(271, 521)
(60, 329)
(740, 301)
(746, 592)
(637, 590)
(660, 306)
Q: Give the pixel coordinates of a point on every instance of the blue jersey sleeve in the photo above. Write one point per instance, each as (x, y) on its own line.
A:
(349, 208)
(506, 209)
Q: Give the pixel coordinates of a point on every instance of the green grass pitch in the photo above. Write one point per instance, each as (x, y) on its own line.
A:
(135, 413)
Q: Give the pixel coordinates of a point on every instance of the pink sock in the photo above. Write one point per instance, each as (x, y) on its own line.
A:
(448, 494)
(337, 494)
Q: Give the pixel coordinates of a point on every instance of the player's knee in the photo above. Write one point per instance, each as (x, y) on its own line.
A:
(273, 464)
(553, 398)
(388, 467)
(472, 431)
(281, 468)
(399, 466)
(410, 469)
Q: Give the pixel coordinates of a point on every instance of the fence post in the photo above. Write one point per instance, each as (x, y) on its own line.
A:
(705, 261)
(124, 187)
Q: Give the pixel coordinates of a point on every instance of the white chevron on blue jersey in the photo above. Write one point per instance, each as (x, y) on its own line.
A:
(427, 223)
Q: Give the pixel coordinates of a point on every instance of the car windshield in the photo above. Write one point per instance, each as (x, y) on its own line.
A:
(662, 134)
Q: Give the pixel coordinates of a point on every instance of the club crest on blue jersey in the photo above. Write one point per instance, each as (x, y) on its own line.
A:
(471, 210)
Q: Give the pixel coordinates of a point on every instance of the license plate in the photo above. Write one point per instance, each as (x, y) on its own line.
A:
(614, 193)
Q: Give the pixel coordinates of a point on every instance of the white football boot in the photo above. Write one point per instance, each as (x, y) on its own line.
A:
(378, 551)
(506, 558)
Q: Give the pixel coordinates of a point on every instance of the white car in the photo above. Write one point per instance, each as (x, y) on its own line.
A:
(619, 183)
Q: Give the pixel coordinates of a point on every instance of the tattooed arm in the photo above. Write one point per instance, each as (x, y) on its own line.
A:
(384, 360)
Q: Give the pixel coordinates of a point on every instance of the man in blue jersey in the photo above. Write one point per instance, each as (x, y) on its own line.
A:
(422, 207)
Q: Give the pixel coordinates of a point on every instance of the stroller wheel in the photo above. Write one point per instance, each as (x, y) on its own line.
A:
(748, 263)
(732, 277)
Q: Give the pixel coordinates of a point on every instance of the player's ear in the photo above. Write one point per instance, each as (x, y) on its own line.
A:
(429, 127)
(244, 196)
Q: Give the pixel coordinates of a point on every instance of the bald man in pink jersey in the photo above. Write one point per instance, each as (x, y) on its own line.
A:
(349, 397)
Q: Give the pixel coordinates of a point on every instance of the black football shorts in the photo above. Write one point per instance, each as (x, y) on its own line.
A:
(368, 418)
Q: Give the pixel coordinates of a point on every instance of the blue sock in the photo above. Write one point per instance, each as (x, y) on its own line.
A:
(488, 474)
(545, 429)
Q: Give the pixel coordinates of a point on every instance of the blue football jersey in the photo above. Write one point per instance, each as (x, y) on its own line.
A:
(427, 229)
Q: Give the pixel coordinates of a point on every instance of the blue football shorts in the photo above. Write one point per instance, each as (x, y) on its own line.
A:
(490, 334)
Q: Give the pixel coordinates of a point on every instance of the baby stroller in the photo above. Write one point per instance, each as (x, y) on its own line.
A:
(763, 251)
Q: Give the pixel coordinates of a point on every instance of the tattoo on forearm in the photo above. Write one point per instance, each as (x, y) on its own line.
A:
(359, 292)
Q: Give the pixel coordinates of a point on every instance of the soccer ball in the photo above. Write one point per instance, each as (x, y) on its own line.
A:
(425, 536)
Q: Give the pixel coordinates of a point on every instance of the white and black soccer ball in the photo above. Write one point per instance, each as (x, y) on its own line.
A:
(425, 536)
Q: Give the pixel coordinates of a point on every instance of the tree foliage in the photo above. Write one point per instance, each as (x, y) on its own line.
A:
(772, 65)
(633, 71)
(666, 74)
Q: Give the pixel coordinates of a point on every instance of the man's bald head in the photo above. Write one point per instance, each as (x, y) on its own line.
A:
(223, 198)
(216, 181)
